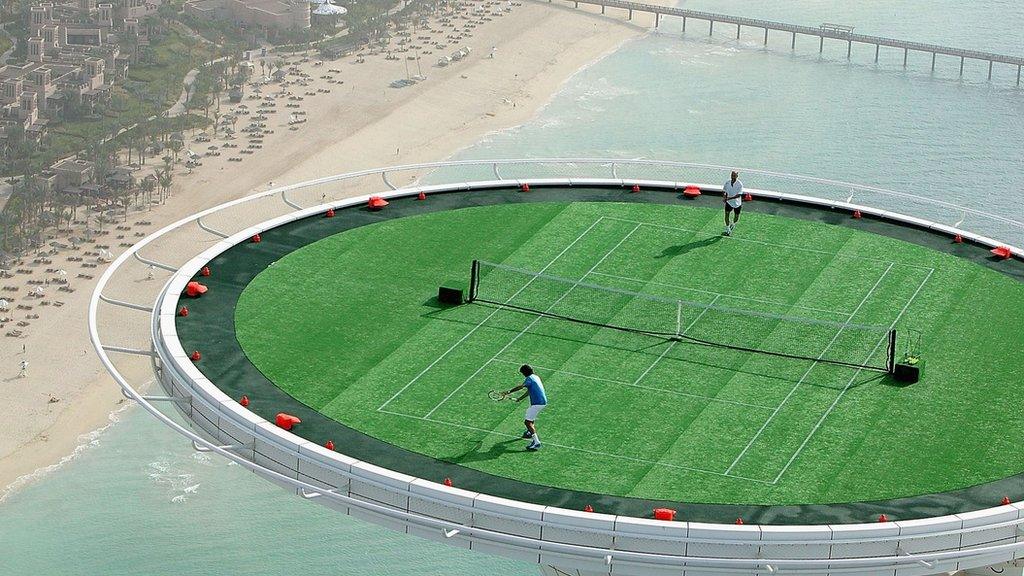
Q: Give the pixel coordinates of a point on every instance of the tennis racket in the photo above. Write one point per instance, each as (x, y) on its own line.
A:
(498, 396)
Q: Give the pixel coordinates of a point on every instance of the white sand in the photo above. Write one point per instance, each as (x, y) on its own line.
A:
(361, 124)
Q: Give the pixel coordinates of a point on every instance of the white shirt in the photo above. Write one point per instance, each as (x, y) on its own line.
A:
(734, 189)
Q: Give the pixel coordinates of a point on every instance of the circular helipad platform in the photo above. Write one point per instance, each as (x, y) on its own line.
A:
(727, 378)
(336, 321)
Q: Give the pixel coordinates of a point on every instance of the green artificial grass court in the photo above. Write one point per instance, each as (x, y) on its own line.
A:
(361, 339)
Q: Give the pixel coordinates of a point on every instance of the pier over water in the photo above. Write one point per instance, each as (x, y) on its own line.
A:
(830, 31)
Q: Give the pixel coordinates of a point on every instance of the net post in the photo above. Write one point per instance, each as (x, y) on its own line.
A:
(890, 356)
(679, 317)
(474, 280)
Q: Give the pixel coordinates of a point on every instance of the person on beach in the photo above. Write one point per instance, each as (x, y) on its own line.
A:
(538, 401)
(732, 195)
(24, 369)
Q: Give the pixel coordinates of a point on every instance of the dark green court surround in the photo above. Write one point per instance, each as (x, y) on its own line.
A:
(319, 315)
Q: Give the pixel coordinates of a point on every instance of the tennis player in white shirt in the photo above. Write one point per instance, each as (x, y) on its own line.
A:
(732, 195)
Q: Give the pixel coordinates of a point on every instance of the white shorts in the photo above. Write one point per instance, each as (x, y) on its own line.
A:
(532, 411)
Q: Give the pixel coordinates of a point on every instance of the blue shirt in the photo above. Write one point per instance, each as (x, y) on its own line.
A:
(536, 389)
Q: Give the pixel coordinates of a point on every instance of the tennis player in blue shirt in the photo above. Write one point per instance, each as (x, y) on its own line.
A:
(538, 400)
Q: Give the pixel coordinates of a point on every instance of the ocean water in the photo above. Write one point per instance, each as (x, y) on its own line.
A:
(138, 501)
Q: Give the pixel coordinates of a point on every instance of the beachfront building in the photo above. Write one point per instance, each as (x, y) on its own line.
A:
(267, 15)
(73, 58)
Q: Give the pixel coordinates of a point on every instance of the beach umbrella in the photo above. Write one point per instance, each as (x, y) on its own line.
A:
(4, 305)
(328, 9)
(62, 273)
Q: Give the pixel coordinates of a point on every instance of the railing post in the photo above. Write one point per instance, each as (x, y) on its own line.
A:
(821, 44)
(933, 62)
(1018, 74)
(765, 36)
(792, 45)
(849, 48)
(877, 46)
(602, 8)
(711, 29)
(737, 31)
(961, 65)
(990, 70)
(630, 17)
(905, 52)
(657, 19)
(684, 24)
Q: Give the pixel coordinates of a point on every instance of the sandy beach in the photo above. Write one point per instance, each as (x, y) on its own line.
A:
(353, 120)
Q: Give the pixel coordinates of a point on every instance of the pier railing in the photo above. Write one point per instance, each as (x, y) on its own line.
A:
(830, 31)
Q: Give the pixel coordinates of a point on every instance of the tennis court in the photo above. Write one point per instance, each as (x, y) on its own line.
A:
(789, 405)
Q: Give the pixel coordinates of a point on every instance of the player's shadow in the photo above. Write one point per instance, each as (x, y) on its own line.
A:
(475, 454)
(679, 250)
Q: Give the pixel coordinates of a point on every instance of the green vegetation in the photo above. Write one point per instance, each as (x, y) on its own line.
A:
(5, 43)
(349, 325)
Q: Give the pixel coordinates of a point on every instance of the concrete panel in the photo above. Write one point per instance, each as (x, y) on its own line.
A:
(990, 536)
(657, 536)
(486, 510)
(917, 536)
(393, 489)
(876, 540)
(322, 475)
(819, 545)
(432, 492)
(723, 540)
(567, 533)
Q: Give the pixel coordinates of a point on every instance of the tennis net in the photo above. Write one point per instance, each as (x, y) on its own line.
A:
(749, 330)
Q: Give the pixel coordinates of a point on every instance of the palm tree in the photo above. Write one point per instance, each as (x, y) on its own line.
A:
(148, 184)
(166, 178)
(176, 146)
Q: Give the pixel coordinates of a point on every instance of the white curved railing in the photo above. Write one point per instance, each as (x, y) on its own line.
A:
(546, 535)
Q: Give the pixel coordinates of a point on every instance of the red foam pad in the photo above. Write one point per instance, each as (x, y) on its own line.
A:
(691, 192)
(195, 289)
(377, 202)
(286, 421)
(1001, 251)
(664, 514)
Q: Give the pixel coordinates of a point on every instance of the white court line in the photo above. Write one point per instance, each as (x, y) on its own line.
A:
(673, 343)
(809, 369)
(634, 385)
(764, 243)
(495, 311)
(852, 378)
(575, 448)
(534, 321)
(730, 296)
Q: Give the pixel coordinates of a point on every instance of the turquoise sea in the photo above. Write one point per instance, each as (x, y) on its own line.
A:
(138, 501)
